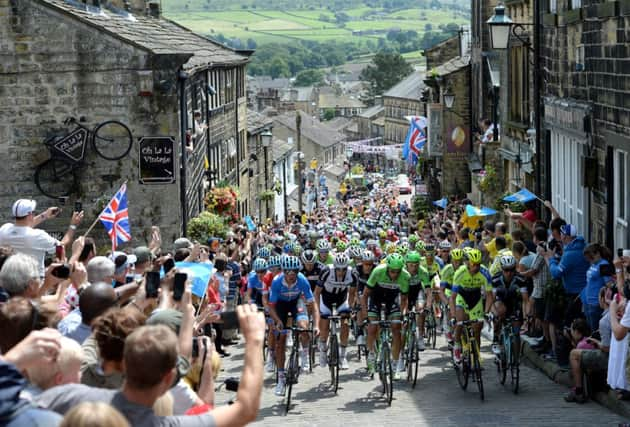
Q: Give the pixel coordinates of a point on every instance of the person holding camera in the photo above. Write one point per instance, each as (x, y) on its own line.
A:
(23, 237)
(620, 325)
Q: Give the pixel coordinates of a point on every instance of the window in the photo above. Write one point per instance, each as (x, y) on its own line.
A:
(620, 171)
(553, 6)
(519, 85)
(569, 196)
(575, 4)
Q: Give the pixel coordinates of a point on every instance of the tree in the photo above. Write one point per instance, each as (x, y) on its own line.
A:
(329, 114)
(385, 71)
(278, 68)
(251, 44)
(309, 78)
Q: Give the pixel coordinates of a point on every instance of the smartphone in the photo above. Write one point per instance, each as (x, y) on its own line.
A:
(128, 279)
(152, 284)
(179, 285)
(606, 270)
(59, 251)
(229, 319)
(619, 252)
(78, 206)
(168, 265)
(61, 272)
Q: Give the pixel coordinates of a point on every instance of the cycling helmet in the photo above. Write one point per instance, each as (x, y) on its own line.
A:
(507, 262)
(356, 252)
(382, 234)
(391, 233)
(457, 254)
(395, 262)
(371, 242)
(274, 261)
(390, 248)
(313, 235)
(402, 249)
(413, 239)
(420, 246)
(355, 241)
(264, 252)
(474, 256)
(445, 245)
(412, 256)
(429, 248)
(368, 256)
(290, 263)
(308, 256)
(341, 261)
(341, 246)
(323, 245)
(297, 249)
(260, 265)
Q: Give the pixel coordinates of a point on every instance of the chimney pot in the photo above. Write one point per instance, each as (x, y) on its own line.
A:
(154, 9)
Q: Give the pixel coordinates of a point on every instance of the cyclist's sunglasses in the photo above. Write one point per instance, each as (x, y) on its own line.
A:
(394, 270)
(509, 270)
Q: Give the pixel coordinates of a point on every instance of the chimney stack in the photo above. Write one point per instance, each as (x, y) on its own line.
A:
(154, 9)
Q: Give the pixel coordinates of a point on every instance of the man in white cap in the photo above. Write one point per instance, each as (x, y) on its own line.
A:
(23, 237)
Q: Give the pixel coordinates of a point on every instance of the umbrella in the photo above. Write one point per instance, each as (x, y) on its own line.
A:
(199, 273)
(523, 196)
(442, 203)
(472, 215)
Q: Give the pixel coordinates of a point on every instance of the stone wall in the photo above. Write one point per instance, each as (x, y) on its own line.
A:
(52, 67)
(442, 52)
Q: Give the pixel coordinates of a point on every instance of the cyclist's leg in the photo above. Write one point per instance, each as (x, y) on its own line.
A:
(394, 315)
(344, 312)
(324, 326)
(373, 315)
(282, 309)
(477, 313)
(421, 303)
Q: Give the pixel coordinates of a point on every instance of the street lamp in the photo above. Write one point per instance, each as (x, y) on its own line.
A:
(449, 98)
(349, 152)
(500, 25)
(266, 138)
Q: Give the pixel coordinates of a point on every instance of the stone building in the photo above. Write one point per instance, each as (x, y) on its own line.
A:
(587, 115)
(260, 165)
(400, 101)
(119, 60)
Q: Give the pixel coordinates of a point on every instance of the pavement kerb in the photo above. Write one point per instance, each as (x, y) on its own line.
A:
(562, 376)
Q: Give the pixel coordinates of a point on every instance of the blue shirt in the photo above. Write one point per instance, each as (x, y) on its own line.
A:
(571, 267)
(72, 326)
(594, 282)
(280, 291)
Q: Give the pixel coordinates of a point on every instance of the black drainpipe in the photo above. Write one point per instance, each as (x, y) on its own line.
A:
(182, 76)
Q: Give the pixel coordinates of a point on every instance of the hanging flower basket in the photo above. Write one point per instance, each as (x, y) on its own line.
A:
(267, 195)
(222, 200)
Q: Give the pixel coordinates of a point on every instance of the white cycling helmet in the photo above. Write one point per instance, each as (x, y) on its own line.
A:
(341, 261)
(507, 262)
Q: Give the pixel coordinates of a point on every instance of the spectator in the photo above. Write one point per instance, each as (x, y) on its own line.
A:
(596, 255)
(103, 361)
(37, 348)
(101, 269)
(144, 260)
(122, 264)
(571, 268)
(91, 414)
(65, 369)
(619, 309)
(20, 316)
(23, 237)
(150, 370)
(593, 361)
(20, 276)
(500, 245)
(527, 218)
(500, 230)
(88, 252)
(93, 302)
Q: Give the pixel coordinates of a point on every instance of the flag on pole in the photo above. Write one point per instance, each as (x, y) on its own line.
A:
(115, 218)
(415, 140)
(442, 203)
(523, 196)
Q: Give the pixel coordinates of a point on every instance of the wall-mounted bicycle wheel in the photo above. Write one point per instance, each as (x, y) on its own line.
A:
(112, 140)
(56, 178)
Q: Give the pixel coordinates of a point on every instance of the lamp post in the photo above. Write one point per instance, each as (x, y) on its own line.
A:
(266, 138)
(501, 28)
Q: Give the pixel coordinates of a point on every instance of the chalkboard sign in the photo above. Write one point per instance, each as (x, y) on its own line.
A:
(157, 161)
(73, 144)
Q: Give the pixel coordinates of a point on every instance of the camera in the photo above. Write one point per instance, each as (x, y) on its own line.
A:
(231, 384)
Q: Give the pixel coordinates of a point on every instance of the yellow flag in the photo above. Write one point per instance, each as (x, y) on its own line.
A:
(206, 164)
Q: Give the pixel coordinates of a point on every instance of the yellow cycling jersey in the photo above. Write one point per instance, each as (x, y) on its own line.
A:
(468, 282)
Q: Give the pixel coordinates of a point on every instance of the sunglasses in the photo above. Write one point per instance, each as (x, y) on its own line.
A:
(290, 271)
(509, 270)
(394, 270)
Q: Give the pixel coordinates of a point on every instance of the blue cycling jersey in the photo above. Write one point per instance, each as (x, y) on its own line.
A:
(280, 291)
(253, 282)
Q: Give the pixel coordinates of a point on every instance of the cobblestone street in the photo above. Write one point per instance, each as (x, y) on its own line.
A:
(437, 399)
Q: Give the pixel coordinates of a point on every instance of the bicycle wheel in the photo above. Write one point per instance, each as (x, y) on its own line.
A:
(387, 376)
(292, 375)
(333, 362)
(112, 140)
(413, 358)
(462, 370)
(515, 363)
(311, 351)
(476, 368)
(56, 178)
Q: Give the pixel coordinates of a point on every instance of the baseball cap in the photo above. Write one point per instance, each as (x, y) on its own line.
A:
(143, 254)
(182, 243)
(23, 207)
(167, 317)
(568, 230)
(122, 260)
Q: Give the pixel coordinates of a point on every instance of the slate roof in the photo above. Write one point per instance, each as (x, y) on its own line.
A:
(342, 101)
(316, 131)
(157, 36)
(372, 112)
(280, 148)
(256, 121)
(451, 66)
(409, 88)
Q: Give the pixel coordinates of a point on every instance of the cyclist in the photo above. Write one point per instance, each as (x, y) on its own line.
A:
(509, 289)
(446, 282)
(323, 252)
(388, 284)
(264, 253)
(255, 285)
(341, 246)
(500, 244)
(363, 270)
(338, 285)
(444, 252)
(356, 255)
(412, 241)
(284, 296)
(311, 269)
(273, 269)
(466, 303)
(430, 261)
(418, 282)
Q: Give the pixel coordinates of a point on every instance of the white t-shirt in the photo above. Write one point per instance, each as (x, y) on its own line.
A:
(30, 241)
(617, 356)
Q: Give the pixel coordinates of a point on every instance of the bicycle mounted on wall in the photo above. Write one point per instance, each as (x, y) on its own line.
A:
(57, 177)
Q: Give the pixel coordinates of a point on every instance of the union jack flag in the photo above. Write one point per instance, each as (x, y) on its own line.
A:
(415, 140)
(115, 218)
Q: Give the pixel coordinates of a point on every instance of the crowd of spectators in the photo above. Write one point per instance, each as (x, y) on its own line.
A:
(82, 341)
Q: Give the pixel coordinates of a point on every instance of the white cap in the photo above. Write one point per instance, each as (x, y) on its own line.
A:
(23, 207)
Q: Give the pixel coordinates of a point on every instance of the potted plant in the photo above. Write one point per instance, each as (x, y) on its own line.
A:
(267, 195)
(205, 226)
